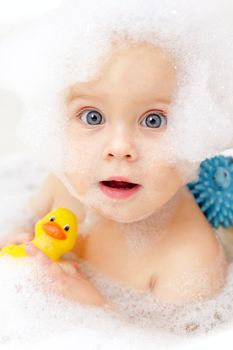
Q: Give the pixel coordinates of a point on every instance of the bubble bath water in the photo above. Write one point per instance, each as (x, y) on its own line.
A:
(197, 37)
(31, 313)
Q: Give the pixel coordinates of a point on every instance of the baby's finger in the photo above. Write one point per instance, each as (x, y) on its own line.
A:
(31, 249)
(42, 258)
(52, 268)
(71, 268)
(76, 266)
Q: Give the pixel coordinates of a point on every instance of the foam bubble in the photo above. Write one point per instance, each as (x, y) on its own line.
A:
(71, 43)
(32, 312)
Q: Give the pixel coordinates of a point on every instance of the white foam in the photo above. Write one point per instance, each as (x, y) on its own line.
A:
(31, 314)
(71, 43)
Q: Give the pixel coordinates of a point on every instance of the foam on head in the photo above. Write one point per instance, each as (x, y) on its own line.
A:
(42, 60)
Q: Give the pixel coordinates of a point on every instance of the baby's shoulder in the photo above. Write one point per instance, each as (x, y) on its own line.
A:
(195, 269)
(198, 247)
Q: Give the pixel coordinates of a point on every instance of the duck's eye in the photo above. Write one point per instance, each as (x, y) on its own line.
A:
(52, 218)
(66, 227)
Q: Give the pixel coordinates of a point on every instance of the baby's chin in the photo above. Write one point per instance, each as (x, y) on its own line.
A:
(122, 214)
(124, 211)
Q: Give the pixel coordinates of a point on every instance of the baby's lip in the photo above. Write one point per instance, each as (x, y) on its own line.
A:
(119, 178)
(118, 187)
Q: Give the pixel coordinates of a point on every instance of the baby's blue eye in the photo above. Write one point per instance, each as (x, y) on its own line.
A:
(91, 117)
(155, 120)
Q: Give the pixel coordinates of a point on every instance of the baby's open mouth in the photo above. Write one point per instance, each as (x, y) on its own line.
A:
(119, 184)
(118, 189)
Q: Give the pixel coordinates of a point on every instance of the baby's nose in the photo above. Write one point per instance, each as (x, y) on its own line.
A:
(120, 150)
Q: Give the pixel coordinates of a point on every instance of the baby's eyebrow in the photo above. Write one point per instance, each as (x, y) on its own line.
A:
(74, 96)
(164, 100)
(79, 94)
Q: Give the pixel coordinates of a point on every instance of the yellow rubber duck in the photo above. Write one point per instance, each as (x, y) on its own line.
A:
(55, 235)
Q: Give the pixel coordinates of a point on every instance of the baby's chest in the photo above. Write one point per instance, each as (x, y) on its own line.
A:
(114, 263)
(133, 274)
(133, 270)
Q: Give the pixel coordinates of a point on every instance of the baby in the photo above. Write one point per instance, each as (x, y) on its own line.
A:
(138, 222)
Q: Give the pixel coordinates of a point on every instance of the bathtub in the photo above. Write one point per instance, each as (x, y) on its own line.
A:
(26, 323)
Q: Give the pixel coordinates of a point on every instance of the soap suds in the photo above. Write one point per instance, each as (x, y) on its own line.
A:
(71, 44)
(32, 313)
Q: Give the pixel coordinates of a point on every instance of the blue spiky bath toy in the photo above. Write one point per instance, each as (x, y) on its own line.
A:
(213, 190)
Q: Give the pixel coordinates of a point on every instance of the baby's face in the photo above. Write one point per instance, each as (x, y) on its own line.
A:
(116, 122)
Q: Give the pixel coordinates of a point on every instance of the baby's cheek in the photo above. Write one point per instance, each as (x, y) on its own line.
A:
(164, 177)
(80, 182)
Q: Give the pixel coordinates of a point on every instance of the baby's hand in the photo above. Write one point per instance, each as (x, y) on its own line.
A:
(68, 279)
(16, 239)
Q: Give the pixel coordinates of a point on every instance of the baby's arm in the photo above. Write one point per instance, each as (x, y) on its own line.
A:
(68, 279)
(39, 205)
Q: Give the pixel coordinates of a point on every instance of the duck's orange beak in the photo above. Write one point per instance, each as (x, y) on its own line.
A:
(54, 230)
